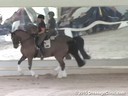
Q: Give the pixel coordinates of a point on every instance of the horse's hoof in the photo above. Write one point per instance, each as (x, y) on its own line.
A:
(32, 73)
(82, 63)
(87, 57)
(36, 76)
(62, 74)
(57, 68)
(59, 76)
(21, 73)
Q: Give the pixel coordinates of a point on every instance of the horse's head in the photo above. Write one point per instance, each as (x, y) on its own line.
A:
(15, 40)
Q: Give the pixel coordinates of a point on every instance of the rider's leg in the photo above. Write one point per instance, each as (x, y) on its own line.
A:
(51, 32)
(36, 41)
(41, 44)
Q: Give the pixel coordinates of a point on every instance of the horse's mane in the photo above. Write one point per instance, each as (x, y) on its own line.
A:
(18, 31)
(22, 31)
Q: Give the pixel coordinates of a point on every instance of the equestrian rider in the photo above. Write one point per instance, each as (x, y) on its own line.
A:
(41, 33)
(51, 24)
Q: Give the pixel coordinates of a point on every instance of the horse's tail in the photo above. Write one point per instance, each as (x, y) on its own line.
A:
(73, 49)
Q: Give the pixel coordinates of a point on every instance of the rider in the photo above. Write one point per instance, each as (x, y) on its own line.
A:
(41, 33)
(51, 24)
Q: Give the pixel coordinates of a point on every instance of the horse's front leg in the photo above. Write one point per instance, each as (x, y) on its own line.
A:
(30, 66)
(19, 62)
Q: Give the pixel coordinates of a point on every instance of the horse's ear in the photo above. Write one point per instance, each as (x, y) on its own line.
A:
(12, 32)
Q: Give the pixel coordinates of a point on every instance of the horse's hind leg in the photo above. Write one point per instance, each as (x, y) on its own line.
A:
(19, 62)
(80, 46)
(62, 72)
(73, 49)
(67, 57)
(83, 53)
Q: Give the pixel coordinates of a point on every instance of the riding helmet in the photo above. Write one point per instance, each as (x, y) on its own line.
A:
(41, 16)
(51, 13)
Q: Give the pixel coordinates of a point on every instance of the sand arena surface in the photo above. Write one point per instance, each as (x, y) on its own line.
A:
(73, 85)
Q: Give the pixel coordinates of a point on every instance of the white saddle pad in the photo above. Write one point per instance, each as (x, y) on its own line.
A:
(47, 43)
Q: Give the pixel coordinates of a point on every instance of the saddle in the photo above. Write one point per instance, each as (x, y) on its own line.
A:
(48, 39)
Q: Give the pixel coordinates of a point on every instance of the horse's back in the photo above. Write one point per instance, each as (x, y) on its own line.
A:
(63, 38)
(59, 44)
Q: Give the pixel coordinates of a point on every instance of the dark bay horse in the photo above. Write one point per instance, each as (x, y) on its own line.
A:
(24, 23)
(60, 47)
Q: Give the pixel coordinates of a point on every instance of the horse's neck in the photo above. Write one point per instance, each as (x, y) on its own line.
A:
(24, 36)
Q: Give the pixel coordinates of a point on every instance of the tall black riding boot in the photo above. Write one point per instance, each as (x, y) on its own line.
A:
(41, 52)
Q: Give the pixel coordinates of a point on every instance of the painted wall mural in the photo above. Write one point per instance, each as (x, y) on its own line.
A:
(103, 29)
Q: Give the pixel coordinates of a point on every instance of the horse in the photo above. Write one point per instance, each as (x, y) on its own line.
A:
(60, 47)
(20, 20)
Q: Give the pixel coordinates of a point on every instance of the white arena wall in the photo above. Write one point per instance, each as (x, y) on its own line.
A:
(94, 66)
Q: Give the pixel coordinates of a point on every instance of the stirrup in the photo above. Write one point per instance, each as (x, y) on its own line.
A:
(41, 55)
